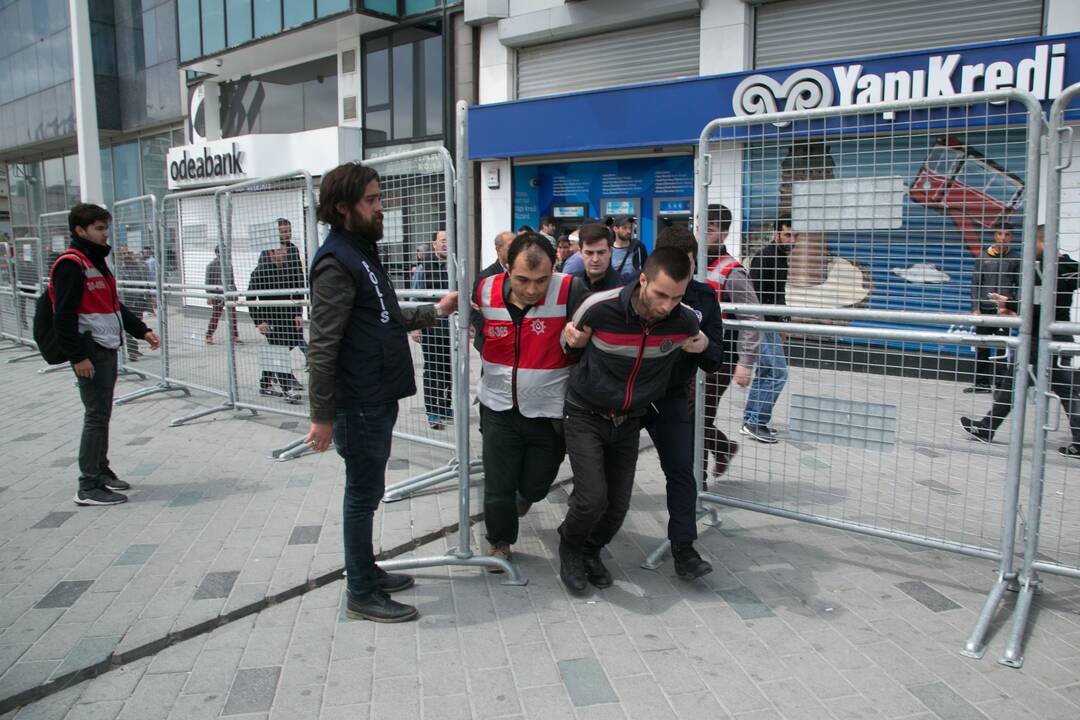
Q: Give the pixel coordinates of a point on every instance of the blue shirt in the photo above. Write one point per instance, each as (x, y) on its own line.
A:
(574, 264)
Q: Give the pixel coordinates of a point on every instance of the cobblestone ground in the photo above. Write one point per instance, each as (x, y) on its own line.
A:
(795, 622)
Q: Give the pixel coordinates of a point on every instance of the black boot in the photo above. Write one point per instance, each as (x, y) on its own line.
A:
(688, 564)
(596, 572)
(571, 568)
(392, 583)
(378, 607)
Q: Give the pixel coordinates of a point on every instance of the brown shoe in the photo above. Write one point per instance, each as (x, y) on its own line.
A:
(499, 550)
(209, 339)
(523, 506)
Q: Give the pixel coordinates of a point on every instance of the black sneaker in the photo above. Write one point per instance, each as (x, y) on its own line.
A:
(378, 607)
(979, 388)
(392, 583)
(688, 563)
(977, 430)
(571, 568)
(291, 398)
(596, 572)
(1072, 450)
(99, 496)
(114, 483)
(270, 392)
(761, 433)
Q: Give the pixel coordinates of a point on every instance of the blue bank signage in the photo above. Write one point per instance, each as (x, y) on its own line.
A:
(674, 112)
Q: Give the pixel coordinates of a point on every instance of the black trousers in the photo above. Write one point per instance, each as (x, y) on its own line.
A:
(986, 367)
(668, 424)
(521, 457)
(438, 380)
(97, 399)
(716, 385)
(1064, 382)
(603, 456)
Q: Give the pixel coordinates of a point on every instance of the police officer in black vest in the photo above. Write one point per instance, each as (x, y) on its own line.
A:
(360, 367)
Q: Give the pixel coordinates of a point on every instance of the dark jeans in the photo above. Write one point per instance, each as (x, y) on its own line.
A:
(287, 381)
(1064, 382)
(987, 364)
(217, 307)
(716, 385)
(362, 438)
(435, 344)
(603, 457)
(521, 457)
(97, 399)
(669, 426)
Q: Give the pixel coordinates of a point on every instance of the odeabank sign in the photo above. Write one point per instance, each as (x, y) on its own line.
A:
(674, 112)
(209, 165)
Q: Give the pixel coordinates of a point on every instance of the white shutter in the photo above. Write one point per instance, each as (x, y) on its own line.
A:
(622, 57)
(798, 32)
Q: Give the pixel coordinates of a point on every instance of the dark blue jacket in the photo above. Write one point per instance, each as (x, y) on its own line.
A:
(701, 298)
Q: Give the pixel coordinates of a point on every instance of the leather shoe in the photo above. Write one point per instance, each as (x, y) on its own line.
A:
(597, 572)
(378, 607)
(392, 582)
(571, 568)
(688, 563)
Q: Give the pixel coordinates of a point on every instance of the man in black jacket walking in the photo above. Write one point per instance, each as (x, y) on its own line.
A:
(361, 366)
(282, 326)
(630, 339)
(997, 271)
(89, 321)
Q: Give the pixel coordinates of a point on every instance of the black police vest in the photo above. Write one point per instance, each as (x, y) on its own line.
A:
(374, 361)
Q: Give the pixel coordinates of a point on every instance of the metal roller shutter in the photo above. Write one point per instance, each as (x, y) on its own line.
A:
(641, 54)
(794, 32)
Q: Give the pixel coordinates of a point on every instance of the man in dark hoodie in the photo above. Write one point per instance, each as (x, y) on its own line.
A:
(90, 321)
(283, 326)
(997, 271)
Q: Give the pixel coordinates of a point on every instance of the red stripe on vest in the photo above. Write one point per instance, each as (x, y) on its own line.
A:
(539, 347)
(99, 295)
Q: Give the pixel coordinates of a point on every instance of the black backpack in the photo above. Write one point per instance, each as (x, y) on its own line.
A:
(45, 330)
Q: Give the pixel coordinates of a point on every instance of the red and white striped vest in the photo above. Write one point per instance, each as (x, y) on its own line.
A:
(99, 308)
(524, 365)
(718, 275)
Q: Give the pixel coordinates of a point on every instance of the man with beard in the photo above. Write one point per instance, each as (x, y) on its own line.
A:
(435, 340)
(361, 367)
(630, 339)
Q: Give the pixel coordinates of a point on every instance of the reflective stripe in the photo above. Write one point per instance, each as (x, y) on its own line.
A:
(593, 300)
(496, 314)
(103, 327)
(631, 351)
(541, 393)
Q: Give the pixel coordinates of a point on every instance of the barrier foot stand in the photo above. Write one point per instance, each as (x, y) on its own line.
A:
(511, 575)
(975, 646)
(291, 451)
(403, 490)
(1013, 655)
(49, 369)
(226, 407)
(656, 558)
(144, 392)
(27, 356)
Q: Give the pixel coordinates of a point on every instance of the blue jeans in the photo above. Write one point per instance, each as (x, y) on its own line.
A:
(362, 438)
(770, 375)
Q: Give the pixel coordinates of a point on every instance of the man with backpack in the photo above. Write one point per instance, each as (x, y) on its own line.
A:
(627, 254)
(89, 322)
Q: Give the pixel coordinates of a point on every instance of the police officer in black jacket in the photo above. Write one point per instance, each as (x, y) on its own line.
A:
(360, 367)
(668, 419)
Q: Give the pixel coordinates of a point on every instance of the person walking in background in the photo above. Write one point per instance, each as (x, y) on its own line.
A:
(769, 273)
(281, 325)
(89, 321)
(627, 254)
(133, 275)
(435, 339)
(215, 296)
(996, 272)
(361, 366)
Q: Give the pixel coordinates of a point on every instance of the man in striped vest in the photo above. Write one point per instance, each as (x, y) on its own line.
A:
(89, 321)
(523, 385)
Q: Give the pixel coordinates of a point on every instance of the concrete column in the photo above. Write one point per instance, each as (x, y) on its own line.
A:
(726, 36)
(497, 83)
(86, 120)
(1062, 16)
(212, 110)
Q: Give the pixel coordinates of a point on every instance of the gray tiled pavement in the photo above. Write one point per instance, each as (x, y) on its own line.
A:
(796, 621)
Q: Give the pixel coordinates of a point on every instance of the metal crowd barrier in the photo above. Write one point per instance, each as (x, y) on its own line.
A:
(874, 345)
(9, 315)
(26, 267)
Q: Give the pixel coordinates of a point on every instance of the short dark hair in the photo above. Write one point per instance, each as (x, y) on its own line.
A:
(344, 184)
(86, 214)
(593, 233)
(719, 214)
(283, 221)
(547, 220)
(672, 261)
(782, 222)
(679, 237)
(531, 244)
(561, 240)
(525, 229)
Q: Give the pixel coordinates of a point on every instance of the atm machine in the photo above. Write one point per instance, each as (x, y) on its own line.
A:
(569, 217)
(671, 212)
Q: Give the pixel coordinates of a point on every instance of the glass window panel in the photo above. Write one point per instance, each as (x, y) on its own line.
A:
(414, 7)
(329, 7)
(55, 193)
(71, 172)
(433, 86)
(26, 23)
(153, 151)
(298, 12)
(103, 48)
(18, 76)
(43, 60)
(377, 126)
(35, 190)
(190, 44)
(148, 38)
(267, 17)
(213, 26)
(386, 7)
(320, 103)
(165, 29)
(20, 212)
(126, 171)
(377, 78)
(403, 91)
(239, 20)
(40, 19)
(280, 110)
(61, 56)
(106, 176)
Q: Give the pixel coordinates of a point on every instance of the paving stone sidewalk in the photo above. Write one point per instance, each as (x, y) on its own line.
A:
(796, 622)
